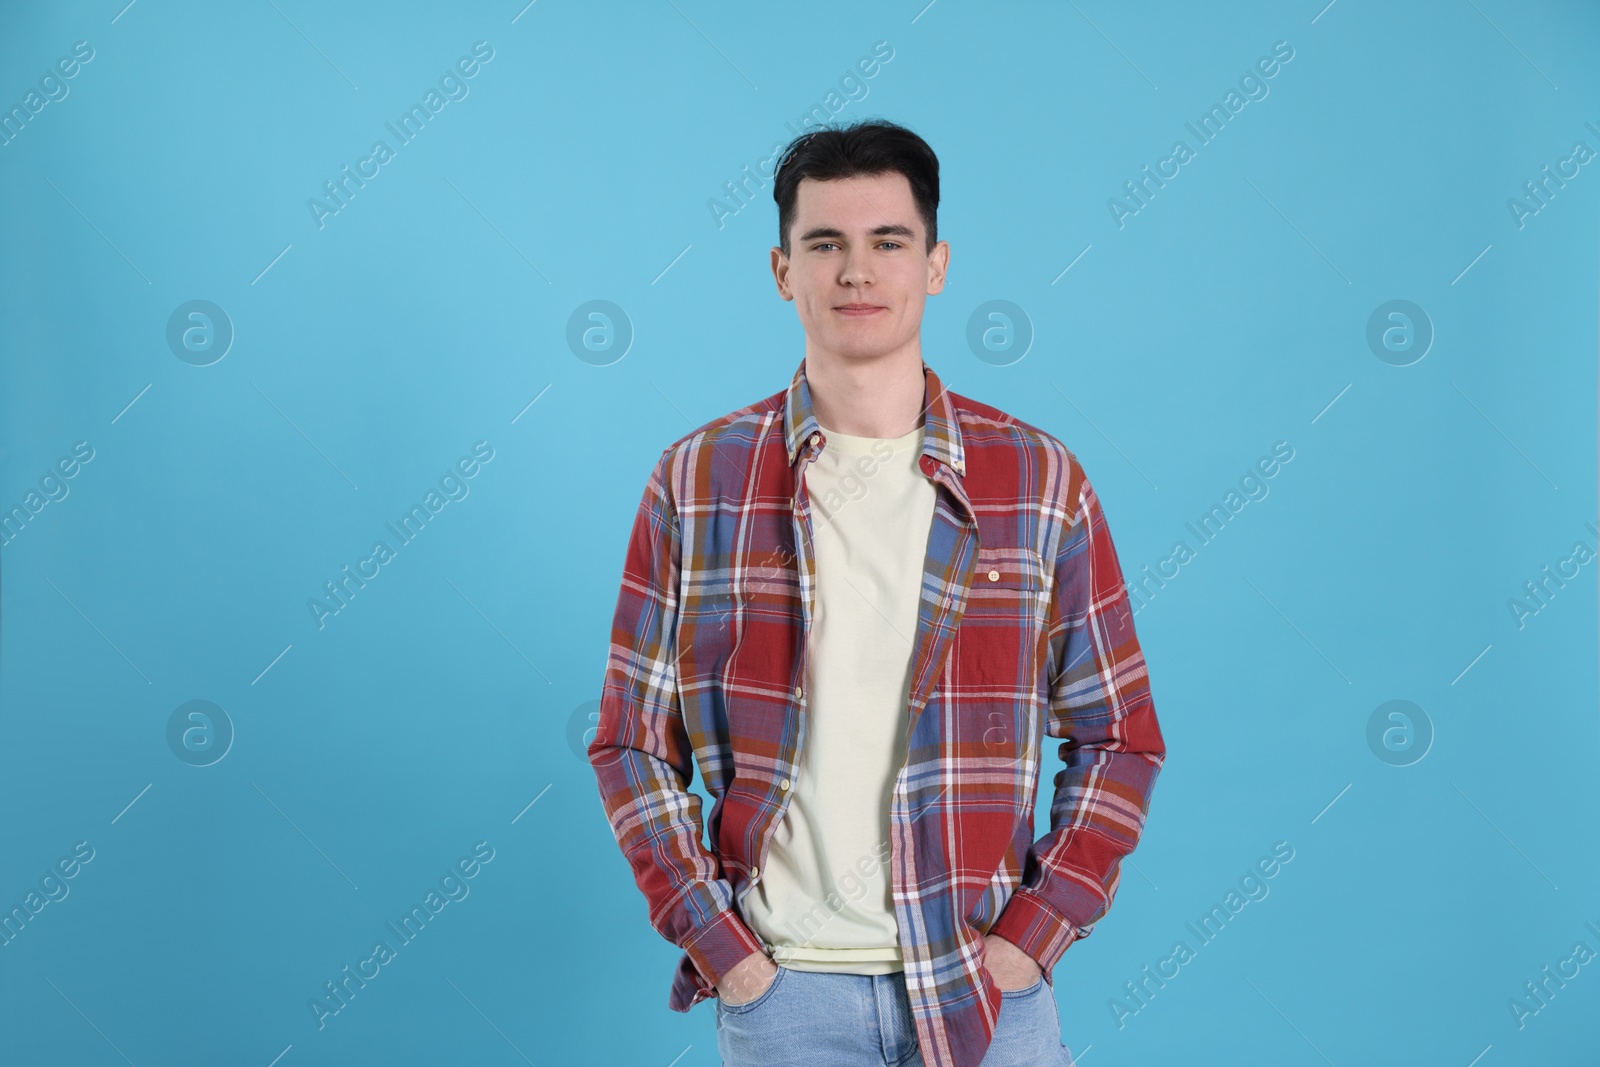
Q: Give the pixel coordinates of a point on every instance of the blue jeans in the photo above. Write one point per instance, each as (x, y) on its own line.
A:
(805, 1018)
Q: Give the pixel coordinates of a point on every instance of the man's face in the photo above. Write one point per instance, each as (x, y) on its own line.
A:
(859, 241)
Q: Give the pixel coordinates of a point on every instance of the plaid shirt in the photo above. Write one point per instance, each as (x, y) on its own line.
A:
(1023, 632)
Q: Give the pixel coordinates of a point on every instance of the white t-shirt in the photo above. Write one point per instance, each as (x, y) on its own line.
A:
(823, 901)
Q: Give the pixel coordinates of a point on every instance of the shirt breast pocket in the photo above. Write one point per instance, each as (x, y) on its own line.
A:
(1003, 624)
(1008, 576)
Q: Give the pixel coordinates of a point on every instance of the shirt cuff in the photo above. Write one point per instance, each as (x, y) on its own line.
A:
(1037, 929)
(719, 946)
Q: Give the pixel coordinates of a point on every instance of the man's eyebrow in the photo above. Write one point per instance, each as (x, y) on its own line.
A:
(893, 229)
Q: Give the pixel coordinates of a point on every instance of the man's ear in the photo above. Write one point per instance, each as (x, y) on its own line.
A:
(780, 272)
(938, 266)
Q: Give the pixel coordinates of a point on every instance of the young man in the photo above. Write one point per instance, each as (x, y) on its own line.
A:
(861, 606)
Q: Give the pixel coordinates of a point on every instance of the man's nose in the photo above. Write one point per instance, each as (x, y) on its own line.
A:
(855, 270)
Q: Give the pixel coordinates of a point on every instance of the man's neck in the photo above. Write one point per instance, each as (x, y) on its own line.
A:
(877, 398)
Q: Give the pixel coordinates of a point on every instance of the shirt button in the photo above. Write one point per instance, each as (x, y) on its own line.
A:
(799, 693)
(755, 872)
(994, 576)
(815, 438)
(784, 784)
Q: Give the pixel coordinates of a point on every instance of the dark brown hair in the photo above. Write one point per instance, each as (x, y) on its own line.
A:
(868, 147)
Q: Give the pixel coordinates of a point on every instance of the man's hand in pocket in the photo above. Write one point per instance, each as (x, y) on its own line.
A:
(1010, 967)
(747, 979)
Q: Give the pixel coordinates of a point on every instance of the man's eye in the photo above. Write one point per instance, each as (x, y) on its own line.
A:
(829, 244)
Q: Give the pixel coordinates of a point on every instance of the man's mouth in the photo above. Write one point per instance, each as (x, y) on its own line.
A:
(858, 310)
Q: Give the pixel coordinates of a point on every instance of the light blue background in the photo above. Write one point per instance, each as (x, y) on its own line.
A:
(429, 313)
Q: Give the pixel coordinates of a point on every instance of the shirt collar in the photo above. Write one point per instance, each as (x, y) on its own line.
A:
(941, 436)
